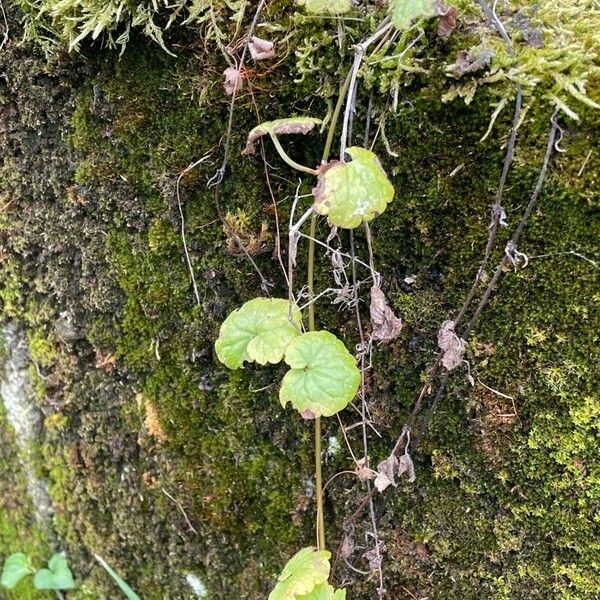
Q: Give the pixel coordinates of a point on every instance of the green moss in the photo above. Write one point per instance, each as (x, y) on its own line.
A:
(19, 531)
(478, 533)
(503, 506)
(10, 291)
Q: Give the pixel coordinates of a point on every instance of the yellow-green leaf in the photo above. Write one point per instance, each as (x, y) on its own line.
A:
(323, 377)
(260, 331)
(327, 7)
(325, 592)
(404, 11)
(352, 192)
(307, 569)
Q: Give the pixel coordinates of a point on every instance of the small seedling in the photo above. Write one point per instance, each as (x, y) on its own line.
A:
(56, 576)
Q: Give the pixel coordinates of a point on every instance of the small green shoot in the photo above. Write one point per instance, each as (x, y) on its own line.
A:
(16, 567)
(129, 593)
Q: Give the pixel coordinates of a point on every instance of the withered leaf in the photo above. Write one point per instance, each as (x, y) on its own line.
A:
(386, 325)
(447, 16)
(374, 557)
(405, 465)
(386, 473)
(452, 346)
(470, 61)
(347, 547)
(234, 81)
(363, 471)
(261, 49)
(531, 35)
(301, 125)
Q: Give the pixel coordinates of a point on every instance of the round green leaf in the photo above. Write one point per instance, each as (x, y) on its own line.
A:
(57, 576)
(325, 591)
(404, 11)
(323, 377)
(258, 331)
(16, 566)
(305, 570)
(327, 7)
(352, 192)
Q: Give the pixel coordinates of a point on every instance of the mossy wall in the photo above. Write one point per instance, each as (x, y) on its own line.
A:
(144, 425)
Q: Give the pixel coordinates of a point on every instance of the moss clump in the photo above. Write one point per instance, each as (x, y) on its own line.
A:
(19, 531)
(51, 22)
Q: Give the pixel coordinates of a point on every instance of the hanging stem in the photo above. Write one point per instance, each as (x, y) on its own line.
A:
(310, 272)
(319, 485)
(290, 161)
(311, 261)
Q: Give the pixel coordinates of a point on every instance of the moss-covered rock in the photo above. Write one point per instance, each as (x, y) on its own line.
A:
(166, 463)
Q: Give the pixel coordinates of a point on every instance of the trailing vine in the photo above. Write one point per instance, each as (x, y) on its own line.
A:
(323, 376)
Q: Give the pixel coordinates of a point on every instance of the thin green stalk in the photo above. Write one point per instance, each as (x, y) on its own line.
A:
(319, 485)
(310, 272)
(336, 114)
(290, 161)
(312, 327)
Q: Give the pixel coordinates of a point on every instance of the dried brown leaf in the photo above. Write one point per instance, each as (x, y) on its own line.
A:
(386, 473)
(470, 61)
(363, 471)
(234, 81)
(386, 325)
(261, 49)
(405, 465)
(347, 547)
(375, 557)
(447, 16)
(302, 125)
(452, 346)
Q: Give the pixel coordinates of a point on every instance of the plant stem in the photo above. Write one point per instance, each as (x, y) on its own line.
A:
(290, 161)
(310, 278)
(319, 486)
(312, 327)
(334, 119)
